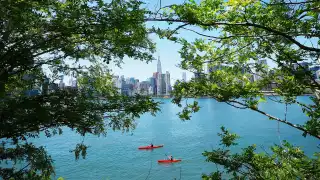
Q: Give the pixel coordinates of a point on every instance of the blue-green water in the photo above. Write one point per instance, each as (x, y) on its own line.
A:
(117, 157)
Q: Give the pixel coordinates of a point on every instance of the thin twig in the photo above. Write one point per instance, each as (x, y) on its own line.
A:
(176, 29)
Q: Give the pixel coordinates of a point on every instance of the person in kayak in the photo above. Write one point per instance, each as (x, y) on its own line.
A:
(170, 158)
(151, 145)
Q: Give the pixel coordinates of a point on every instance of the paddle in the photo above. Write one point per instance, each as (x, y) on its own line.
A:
(166, 155)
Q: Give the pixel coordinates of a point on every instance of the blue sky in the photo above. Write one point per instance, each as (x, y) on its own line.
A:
(167, 50)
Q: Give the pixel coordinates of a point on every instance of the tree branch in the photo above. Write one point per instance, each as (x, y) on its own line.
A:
(289, 3)
(291, 39)
(277, 119)
(225, 37)
(179, 27)
(236, 106)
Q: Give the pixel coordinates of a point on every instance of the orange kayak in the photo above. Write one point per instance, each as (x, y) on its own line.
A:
(169, 161)
(149, 147)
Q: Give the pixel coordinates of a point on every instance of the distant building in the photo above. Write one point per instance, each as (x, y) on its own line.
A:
(127, 89)
(151, 90)
(155, 76)
(167, 83)
(159, 70)
(158, 84)
(127, 81)
(136, 88)
(302, 64)
(159, 78)
(117, 82)
(163, 84)
(153, 85)
(184, 77)
(315, 71)
(132, 81)
(144, 87)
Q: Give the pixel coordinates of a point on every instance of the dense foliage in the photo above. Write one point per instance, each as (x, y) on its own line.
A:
(40, 40)
(233, 39)
(50, 38)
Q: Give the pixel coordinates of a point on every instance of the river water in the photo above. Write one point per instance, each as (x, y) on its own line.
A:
(116, 156)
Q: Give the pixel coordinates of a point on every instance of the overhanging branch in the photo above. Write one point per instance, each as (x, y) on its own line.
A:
(247, 24)
(277, 119)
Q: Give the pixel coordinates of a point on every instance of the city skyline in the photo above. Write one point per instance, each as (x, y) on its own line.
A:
(167, 50)
(157, 84)
(143, 73)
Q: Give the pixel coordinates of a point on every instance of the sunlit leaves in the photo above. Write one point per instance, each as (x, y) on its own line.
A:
(80, 149)
(227, 138)
(233, 40)
(59, 35)
(286, 162)
(237, 36)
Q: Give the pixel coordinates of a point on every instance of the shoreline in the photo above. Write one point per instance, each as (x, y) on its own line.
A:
(203, 97)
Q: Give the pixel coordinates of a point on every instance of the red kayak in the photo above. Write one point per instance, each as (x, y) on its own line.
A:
(169, 161)
(149, 147)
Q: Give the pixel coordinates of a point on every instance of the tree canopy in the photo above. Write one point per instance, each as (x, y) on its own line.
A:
(41, 40)
(234, 40)
(44, 39)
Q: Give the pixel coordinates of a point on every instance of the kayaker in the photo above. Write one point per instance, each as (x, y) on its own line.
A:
(170, 158)
(151, 145)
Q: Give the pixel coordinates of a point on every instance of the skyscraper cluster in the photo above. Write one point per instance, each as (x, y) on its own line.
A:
(157, 85)
(257, 75)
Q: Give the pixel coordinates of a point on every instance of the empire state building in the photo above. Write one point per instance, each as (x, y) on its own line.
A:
(159, 65)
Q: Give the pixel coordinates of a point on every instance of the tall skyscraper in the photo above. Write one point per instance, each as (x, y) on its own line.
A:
(163, 84)
(159, 84)
(184, 77)
(167, 83)
(127, 80)
(132, 80)
(152, 81)
(159, 65)
(159, 78)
